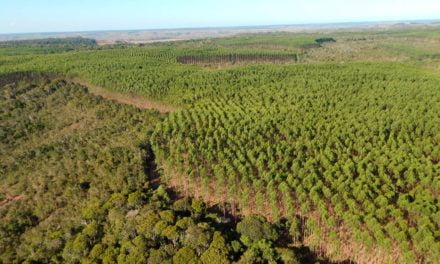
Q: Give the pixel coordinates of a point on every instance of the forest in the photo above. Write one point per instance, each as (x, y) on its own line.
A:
(282, 148)
(77, 186)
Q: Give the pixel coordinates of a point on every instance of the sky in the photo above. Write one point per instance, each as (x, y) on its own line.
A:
(26, 16)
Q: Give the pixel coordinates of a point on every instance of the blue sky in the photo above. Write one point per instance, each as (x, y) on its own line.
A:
(20, 16)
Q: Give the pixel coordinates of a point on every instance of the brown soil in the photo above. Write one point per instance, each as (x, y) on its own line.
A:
(137, 101)
(11, 200)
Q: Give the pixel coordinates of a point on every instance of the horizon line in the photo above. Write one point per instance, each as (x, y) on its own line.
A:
(427, 21)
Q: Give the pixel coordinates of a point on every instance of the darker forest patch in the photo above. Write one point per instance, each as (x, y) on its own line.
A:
(324, 40)
(237, 58)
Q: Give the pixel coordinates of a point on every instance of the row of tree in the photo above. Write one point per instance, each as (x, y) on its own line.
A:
(76, 186)
(348, 148)
(236, 58)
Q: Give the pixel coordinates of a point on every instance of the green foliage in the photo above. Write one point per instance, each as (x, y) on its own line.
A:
(350, 144)
(185, 255)
(56, 138)
(356, 144)
(158, 256)
(45, 46)
(287, 256)
(198, 238)
(260, 252)
(217, 253)
(255, 228)
(198, 208)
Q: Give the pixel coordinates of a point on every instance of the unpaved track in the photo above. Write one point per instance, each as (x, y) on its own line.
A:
(137, 101)
(11, 200)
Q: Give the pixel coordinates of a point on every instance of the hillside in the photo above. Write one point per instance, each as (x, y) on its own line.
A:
(78, 184)
(326, 145)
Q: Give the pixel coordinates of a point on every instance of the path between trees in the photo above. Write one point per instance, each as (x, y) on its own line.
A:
(137, 101)
(11, 199)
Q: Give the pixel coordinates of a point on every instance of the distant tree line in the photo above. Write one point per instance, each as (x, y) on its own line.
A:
(236, 58)
(45, 46)
(324, 40)
(50, 41)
